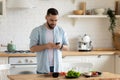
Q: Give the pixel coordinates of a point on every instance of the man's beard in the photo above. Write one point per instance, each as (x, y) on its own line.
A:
(50, 26)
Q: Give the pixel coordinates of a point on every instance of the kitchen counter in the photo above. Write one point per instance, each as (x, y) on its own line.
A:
(3, 54)
(65, 53)
(104, 76)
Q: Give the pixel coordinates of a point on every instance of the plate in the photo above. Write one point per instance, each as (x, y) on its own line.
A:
(97, 74)
(70, 77)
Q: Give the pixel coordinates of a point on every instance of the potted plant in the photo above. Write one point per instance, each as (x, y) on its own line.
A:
(115, 34)
(112, 19)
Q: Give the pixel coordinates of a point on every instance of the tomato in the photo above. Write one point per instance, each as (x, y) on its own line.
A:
(63, 73)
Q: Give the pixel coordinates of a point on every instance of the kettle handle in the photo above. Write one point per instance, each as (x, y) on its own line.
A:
(3, 45)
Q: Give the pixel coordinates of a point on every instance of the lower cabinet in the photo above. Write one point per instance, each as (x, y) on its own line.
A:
(4, 73)
(100, 62)
(117, 61)
(3, 60)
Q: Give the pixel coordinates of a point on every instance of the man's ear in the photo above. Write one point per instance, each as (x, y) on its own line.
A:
(46, 17)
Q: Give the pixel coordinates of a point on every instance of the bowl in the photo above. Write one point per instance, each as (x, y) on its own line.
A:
(55, 74)
(78, 12)
(100, 11)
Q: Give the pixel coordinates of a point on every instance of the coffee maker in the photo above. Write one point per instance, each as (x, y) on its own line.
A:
(84, 43)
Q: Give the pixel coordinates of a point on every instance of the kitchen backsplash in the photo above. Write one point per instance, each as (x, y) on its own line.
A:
(18, 23)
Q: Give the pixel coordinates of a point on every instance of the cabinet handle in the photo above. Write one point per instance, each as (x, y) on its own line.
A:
(63, 56)
(13, 66)
(99, 56)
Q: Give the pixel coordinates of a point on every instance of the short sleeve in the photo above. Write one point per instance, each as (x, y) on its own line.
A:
(65, 38)
(34, 37)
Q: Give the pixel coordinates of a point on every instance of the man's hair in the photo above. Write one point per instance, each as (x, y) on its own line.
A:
(52, 11)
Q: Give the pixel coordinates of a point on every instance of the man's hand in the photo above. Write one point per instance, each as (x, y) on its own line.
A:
(53, 45)
(50, 45)
(58, 46)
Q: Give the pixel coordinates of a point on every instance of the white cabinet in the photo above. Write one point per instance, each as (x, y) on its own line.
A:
(104, 63)
(2, 8)
(117, 64)
(100, 62)
(3, 74)
(3, 60)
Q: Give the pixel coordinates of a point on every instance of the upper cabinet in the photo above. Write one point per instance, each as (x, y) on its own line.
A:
(2, 8)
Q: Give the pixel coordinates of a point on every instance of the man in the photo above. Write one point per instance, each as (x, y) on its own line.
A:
(48, 40)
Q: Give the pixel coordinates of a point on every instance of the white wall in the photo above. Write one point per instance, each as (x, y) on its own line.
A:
(18, 23)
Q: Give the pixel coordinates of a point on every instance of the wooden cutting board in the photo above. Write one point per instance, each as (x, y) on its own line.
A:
(104, 76)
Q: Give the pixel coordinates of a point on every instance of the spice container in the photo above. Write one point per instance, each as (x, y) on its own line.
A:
(83, 7)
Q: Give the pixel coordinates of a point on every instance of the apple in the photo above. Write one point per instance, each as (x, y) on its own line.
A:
(94, 73)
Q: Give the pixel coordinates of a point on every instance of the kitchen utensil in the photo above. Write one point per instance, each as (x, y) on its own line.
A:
(55, 74)
(99, 11)
(92, 74)
(78, 12)
(10, 47)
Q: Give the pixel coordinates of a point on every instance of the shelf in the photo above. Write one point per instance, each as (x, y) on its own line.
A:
(74, 17)
(90, 16)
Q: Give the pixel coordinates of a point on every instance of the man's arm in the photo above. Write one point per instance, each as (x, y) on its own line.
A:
(38, 48)
(65, 48)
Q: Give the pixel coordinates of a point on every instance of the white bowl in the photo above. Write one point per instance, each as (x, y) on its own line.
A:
(100, 11)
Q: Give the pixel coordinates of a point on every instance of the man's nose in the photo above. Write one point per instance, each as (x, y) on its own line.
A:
(54, 22)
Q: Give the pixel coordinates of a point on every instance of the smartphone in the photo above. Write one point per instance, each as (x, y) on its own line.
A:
(57, 43)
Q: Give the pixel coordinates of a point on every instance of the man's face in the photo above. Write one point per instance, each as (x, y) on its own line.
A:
(52, 21)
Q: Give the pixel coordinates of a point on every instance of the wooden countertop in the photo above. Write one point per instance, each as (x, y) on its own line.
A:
(104, 76)
(65, 53)
(3, 54)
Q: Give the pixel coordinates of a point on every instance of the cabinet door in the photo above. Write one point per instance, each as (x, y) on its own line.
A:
(100, 62)
(117, 64)
(4, 73)
(105, 63)
(2, 8)
(3, 60)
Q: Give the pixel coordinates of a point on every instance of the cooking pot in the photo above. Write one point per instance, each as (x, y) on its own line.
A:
(11, 46)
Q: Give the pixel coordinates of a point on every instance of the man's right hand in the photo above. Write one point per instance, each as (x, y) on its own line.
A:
(50, 45)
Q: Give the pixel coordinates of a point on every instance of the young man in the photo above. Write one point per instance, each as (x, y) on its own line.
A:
(48, 41)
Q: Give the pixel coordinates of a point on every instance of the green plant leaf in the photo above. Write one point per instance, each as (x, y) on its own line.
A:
(112, 19)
